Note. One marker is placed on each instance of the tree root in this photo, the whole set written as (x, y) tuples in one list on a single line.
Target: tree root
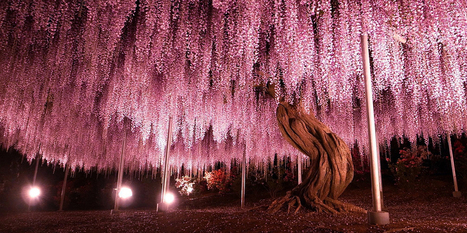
[(289, 199), (344, 207), (328, 205)]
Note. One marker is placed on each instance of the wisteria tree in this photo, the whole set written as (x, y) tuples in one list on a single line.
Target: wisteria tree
[(73, 70)]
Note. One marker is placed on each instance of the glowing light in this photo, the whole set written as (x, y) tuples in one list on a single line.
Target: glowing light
[(34, 192), (169, 198), (125, 193)]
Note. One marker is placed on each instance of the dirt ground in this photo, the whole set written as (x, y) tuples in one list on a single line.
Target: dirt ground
[(422, 208)]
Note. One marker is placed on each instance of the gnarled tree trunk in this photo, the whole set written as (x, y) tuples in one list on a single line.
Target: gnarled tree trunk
[(331, 169)]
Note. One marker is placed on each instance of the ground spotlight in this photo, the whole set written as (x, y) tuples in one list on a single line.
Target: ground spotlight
[(169, 198), (125, 193), (167, 201), (34, 192)]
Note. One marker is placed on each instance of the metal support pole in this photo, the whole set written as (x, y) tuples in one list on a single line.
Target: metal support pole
[(456, 192), (165, 180), (377, 216), (38, 157), (299, 164), (243, 178), (62, 195), (379, 176), (120, 172)]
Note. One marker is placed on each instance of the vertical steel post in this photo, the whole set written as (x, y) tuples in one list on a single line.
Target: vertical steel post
[(38, 157), (62, 194), (243, 178), (377, 216), (456, 192), (120, 171), (165, 180)]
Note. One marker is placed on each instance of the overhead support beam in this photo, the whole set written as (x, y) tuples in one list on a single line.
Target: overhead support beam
[(376, 216)]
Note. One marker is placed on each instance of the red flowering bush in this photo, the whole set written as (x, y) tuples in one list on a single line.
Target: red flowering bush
[(218, 180), (460, 160), (289, 174), (279, 178), (360, 170), (409, 166)]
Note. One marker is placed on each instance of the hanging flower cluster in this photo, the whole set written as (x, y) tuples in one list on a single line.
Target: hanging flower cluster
[(79, 77)]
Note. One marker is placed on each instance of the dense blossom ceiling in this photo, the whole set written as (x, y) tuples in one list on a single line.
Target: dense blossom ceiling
[(80, 76)]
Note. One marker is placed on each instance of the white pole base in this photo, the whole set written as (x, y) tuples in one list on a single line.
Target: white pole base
[(162, 207), (378, 218), (112, 212), (456, 194)]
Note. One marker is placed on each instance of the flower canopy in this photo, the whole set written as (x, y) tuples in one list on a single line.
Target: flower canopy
[(80, 76)]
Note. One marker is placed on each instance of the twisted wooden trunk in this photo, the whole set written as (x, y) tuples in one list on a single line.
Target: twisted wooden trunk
[(331, 169)]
